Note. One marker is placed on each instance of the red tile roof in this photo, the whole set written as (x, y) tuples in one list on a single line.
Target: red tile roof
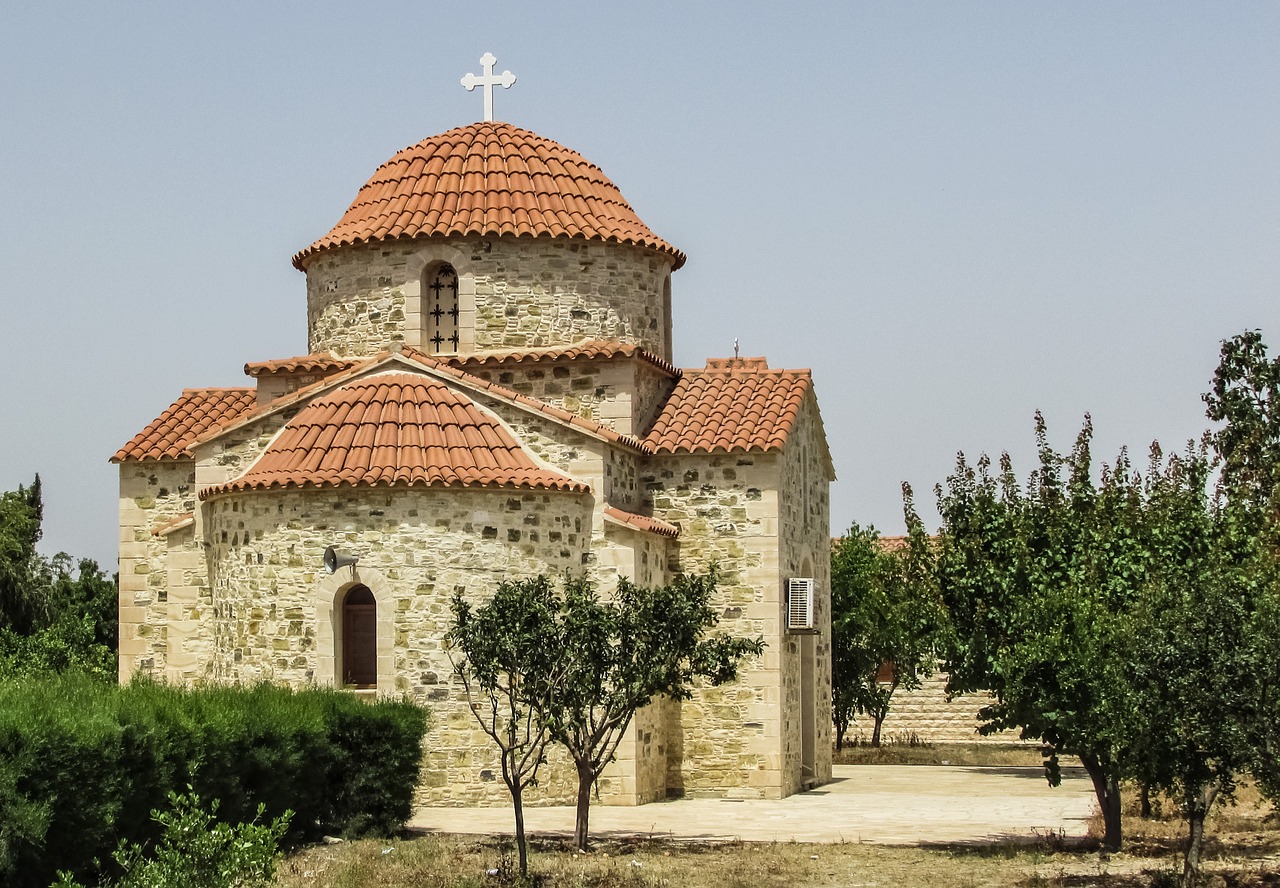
[(591, 349), (395, 429), (196, 413), (731, 405), (322, 363), (641, 522), (489, 179)]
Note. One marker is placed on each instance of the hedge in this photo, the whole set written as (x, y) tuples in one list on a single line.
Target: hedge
[(82, 764)]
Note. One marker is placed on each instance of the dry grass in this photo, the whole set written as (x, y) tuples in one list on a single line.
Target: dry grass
[(436, 862), (1243, 851)]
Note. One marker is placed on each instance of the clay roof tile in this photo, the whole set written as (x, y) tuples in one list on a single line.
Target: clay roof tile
[(502, 180), (394, 428), (733, 404), (195, 413)]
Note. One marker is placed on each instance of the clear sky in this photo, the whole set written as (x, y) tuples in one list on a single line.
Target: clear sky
[(955, 213)]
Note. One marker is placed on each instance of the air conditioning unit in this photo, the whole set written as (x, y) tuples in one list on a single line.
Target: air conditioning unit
[(800, 603)]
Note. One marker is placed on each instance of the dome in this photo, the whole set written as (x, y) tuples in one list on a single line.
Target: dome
[(489, 179)]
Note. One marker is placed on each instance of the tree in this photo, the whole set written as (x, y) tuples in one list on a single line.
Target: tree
[(54, 615), (885, 610), (25, 584), (1202, 645), (1245, 397), (1035, 580), (627, 650), (512, 666)]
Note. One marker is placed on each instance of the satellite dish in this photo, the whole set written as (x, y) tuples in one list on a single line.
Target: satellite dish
[(333, 559)]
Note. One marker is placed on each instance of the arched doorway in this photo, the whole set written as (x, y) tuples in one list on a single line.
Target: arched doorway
[(359, 638)]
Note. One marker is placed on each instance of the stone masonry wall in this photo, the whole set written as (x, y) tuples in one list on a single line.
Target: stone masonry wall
[(804, 550), (623, 394), (514, 292), (725, 741), (926, 714), (274, 605), (162, 578)]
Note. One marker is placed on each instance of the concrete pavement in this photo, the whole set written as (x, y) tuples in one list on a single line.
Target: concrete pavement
[(884, 804)]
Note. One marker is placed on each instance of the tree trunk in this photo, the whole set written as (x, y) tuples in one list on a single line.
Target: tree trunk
[(521, 847), (1144, 799), (1195, 839), (586, 780), (875, 731), (1107, 790), (841, 727), (1196, 813)]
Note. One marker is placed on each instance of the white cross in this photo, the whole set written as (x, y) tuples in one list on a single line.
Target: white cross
[(488, 80)]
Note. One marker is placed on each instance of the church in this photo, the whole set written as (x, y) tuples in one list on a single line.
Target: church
[(488, 392)]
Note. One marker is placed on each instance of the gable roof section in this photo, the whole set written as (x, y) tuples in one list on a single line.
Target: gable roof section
[(733, 404), (587, 350), (197, 412), (489, 178), (411, 358), (394, 428)]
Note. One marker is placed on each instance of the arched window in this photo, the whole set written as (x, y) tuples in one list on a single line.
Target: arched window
[(440, 309), (359, 639)]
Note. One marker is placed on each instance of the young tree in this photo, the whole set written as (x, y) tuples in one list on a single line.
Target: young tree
[(884, 610), (1034, 581), (627, 650), (512, 667)]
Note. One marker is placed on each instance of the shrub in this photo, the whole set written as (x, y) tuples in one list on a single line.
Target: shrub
[(196, 849), (82, 765)]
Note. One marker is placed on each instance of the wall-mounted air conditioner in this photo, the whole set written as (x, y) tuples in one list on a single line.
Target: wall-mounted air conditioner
[(800, 603)]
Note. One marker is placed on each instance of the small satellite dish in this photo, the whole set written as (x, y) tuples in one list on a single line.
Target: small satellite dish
[(333, 559)]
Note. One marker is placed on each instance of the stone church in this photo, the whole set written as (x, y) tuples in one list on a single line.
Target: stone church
[(488, 392)]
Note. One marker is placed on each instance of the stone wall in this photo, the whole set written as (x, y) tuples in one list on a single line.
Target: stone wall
[(725, 741), (925, 714), (274, 605), (163, 582), (513, 292), (804, 551), (624, 394)]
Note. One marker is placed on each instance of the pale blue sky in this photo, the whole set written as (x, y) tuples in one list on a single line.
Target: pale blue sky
[(955, 213)]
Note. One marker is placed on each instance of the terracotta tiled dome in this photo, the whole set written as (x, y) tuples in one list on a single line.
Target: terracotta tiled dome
[(489, 179)]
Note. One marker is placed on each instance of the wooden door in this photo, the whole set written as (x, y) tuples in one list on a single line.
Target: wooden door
[(360, 639)]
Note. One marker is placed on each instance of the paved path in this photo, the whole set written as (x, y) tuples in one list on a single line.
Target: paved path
[(885, 804)]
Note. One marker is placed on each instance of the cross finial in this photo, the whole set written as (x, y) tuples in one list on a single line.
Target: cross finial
[(488, 80)]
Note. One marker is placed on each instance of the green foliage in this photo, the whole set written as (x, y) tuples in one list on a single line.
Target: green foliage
[(1245, 398), (573, 667), (885, 609), (1036, 581), (25, 586), (628, 649), (196, 848), (511, 668), (53, 618), (82, 763)]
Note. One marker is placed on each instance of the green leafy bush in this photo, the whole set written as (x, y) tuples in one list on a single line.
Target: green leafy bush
[(195, 848), (83, 764)]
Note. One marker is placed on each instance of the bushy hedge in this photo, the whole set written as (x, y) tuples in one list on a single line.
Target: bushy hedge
[(82, 764)]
